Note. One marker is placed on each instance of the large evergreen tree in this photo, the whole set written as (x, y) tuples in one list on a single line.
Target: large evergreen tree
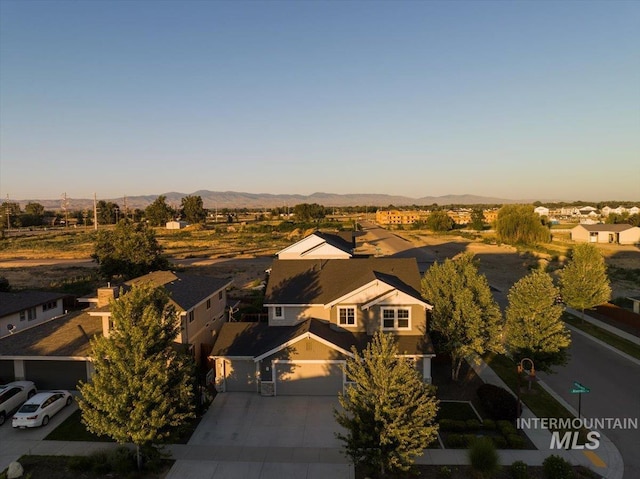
[(584, 282), (519, 224), (465, 315), (534, 328), (142, 386), (129, 250), (389, 412)]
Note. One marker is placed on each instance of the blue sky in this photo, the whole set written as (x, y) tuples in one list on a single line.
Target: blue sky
[(518, 100)]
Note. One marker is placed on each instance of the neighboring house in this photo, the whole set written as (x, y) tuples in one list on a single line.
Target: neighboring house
[(317, 311), (201, 303), (460, 216), (320, 245), (395, 217), (541, 211), (54, 354), (606, 233), (24, 309)]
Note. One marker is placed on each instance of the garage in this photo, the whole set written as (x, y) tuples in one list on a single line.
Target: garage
[(56, 374), (6, 371), (238, 375), (308, 378)]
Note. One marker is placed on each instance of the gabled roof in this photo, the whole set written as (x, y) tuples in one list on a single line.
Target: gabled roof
[(255, 339), (323, 281), (320, 239), (67, 336), (13, 302), (617, 228), (186, 290)]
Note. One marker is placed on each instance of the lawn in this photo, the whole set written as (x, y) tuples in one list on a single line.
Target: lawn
[(611, 339)]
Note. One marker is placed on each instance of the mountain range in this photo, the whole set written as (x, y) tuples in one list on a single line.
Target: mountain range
[(233, 199)]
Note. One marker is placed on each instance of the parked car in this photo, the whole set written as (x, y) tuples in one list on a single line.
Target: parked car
[(12, 395), (40, 408)]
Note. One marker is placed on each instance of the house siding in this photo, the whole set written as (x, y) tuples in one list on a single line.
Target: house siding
[(293, 315), (38, 315)]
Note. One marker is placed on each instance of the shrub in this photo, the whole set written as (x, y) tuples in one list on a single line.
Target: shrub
[(457, 441), (452, 425), (515, 441), (499, 441), (484, 457), (444, 472), (473, 424), (519, 470), (488, 424), (556, 467), (498, 402), (506, 428)]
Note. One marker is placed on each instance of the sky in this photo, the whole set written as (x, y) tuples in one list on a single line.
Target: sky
[(515, 100)]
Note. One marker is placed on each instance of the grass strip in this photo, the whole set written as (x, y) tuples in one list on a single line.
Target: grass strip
[(611, 339)]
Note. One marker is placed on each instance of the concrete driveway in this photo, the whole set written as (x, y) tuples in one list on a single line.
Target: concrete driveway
[(250, 436)]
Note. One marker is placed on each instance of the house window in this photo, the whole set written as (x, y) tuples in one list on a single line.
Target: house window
[(347, 316), (277, 312), (220, 295), (396, 318), (190, 315), (209, 303), (23, 315), (31, 314)]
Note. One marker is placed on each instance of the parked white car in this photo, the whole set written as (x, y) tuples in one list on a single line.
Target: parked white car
[(40, 408), (12, 395)]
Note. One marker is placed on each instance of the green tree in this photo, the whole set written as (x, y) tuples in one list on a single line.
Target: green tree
[(108, 212), (129, 250), (477, 219), (534, 328), (519, 224), (159, 212), (5, 286), (584, 283), (192, 209), (389, 412), (465, 315), (306, 212), (439, 221), (142, 386)]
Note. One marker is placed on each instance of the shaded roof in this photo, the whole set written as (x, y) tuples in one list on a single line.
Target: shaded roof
[(13, 302), (186, 290), (607, 227), (322, 281), (64, 336), (339, 241), (255, 339)]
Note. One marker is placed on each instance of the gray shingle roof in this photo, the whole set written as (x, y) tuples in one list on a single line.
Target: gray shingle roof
[(12, 302), (255, 339), (322, 281), (186, 290), (65, 336)]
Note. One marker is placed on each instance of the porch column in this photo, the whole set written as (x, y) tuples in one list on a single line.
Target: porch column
[(426, 369)]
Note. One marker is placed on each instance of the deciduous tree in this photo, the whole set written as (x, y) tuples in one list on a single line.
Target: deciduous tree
[(306, 212), (389, 412), (439, 221), (142, 386), (477, 219), (129, 250), (465, 315), (534, 328), (192, 209), (584, 282), (159, 212), (519, 224)]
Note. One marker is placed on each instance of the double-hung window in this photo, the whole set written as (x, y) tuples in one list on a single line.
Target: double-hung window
[(396, 318), (278, 313), (347, 316)]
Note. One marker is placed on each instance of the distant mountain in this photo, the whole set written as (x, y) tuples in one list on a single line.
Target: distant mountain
[(234, 199)]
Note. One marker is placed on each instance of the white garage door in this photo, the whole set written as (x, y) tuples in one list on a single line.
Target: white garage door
[(313, 378)]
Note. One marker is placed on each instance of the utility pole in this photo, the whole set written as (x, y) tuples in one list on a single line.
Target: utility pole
[(8, 214), (95, 213), (65, 208)]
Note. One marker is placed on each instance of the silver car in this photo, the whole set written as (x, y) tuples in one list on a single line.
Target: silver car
[(12, 395)]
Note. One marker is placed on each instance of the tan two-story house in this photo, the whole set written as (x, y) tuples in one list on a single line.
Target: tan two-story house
[(318, 310)]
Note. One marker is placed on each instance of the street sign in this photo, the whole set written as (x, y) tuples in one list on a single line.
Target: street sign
[(579, 388)]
